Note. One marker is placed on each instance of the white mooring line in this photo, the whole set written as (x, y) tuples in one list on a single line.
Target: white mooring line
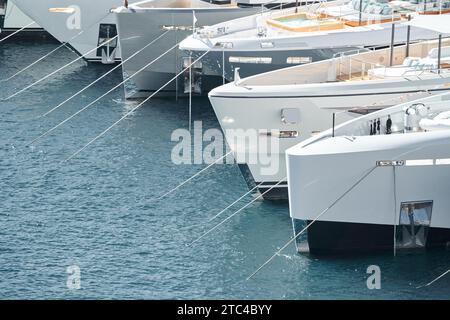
[(99, 98), (57, 70), (133, 110), (63, 44), (17, 31), (104, 75), (311, 223), (235, 213)]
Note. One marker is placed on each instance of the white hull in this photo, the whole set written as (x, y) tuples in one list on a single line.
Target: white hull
[(373, 199), (310, 46), (338, 183), (248, 104), (213, 62), (315, 114), (65, 27)]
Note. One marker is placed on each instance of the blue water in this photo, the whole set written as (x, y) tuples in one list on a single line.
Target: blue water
[(98, 210)]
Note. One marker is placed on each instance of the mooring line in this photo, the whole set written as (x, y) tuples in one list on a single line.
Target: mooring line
[(34, 63), (104, 75), (99, 98), (63, 44), (231, 205), (430, 283), (194, 176), (311, 223), (134, 109), (235, 213), (17, 31), (56, 71)]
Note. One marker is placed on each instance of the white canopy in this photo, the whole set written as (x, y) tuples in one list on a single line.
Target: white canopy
[(437, 23)]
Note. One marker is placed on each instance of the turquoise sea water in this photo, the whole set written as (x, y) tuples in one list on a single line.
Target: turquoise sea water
[(98, 211)]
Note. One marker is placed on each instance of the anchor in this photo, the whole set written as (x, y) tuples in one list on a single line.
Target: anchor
[(108, 56)]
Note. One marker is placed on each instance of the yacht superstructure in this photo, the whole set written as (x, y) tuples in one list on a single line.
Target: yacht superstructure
[(294, 36), (142, 22), (379, 182), (299, 102)]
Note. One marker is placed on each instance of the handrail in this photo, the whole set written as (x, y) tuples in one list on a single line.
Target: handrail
[(311, 7), (266, 10), (375, 16), (321, 3), (434, 107), (352, 52), (416, 71), (350, 55), (425, 70), (270, 13)]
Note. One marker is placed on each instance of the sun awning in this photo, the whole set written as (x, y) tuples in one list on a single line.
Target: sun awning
[(437, 23)]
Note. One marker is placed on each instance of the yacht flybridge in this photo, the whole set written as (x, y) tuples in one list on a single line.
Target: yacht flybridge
[(143, 22), (298, 102), (304, 34), (379, 182)]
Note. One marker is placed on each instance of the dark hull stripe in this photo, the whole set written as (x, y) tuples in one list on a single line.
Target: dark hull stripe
[(88, 59), (150, 91), (271, 184), (25, 30), (274, 194), (26, 34), (325, 237), (278, 193)]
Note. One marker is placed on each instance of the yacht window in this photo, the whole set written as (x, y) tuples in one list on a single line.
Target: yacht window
[(364, 111), (219, 2), (176, 28), (281, 134), (442, 162), (425, 162), (224, 45), (255, 60), (413, 163), (298, 60), (266, 45)]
